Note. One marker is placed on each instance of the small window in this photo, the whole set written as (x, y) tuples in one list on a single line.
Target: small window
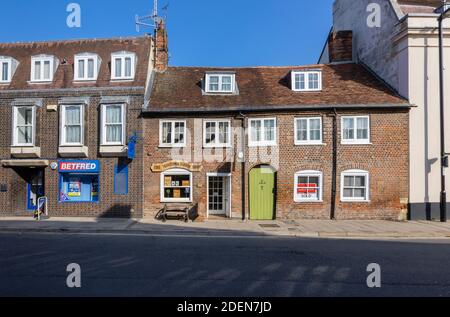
[(5, 70), (176, 186), (86, 67), (355, 130), (123, 65), (42, 69), (121, 179), (216, 133), (355, 186), (263, 132), (172, 133), (72, 121), (308, 131), (220, 83), (113, 124), (308, 186), (24, 126), (306, 80)]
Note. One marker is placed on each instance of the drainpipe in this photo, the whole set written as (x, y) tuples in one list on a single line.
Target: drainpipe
[(243, 165), (334, 168)]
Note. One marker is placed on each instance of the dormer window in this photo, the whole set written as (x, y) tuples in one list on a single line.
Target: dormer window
[(5, 70), (123, 66), (306, 80), (220, 83), (42, 68), (86, 66)]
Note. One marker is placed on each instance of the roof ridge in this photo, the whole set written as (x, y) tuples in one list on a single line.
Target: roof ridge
[(77, 40)]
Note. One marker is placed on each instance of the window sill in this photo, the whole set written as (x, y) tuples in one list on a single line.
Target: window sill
[(355, 201), (40, 82), (26, 151), (118, 80), (356, 143), (163, 146), (113, 150), (73, 151), (308, 201), (263, 145), (176, 201), (224, 146), (84, 81), (310, 144)]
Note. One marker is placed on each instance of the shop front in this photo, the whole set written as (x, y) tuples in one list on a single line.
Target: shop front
[(79, 181)]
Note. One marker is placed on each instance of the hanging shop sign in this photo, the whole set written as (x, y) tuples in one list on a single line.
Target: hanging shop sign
[(161, 167), (79, 166)]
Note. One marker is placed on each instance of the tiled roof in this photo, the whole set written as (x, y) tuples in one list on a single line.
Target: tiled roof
[(419, 6), (65, 50), (343, 84)]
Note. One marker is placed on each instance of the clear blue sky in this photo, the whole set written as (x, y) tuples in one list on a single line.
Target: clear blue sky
[(201, 32)]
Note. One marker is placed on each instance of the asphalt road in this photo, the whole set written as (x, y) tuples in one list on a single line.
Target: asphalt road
[(114, 265)]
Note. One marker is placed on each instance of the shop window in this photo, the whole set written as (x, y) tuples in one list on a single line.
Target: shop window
[(176, 186), (79, 181), (121, 179)]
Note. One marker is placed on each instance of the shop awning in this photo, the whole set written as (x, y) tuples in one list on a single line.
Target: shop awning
[(25, 163)]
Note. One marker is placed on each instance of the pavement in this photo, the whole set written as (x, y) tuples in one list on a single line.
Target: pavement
[(232, 227)]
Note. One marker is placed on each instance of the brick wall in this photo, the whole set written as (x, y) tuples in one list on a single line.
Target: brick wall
[(13, 202), (386, 159)]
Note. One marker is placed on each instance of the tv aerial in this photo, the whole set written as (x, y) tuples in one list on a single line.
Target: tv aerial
[(151, 20)]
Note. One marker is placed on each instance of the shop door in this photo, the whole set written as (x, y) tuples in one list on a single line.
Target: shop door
[(218, 195), (262, 193), (35, 189)]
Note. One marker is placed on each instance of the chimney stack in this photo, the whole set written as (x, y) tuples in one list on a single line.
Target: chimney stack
[(340, 46), (161, 47)]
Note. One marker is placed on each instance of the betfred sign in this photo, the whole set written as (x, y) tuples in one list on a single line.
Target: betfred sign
[(79, 166)]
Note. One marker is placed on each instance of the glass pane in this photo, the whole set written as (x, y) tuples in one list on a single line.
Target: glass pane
[(360, 181), (37, 70), (24, 135), (179, 132), (255, 132), (73, 115), (118, 67), (349, 181), (177, 186), (81, 68), (24, 116), (362, 125), (348, 193), (315, 131), (47, 70), (73, 134), (314, 180), (300, 81), (210, 132), (226, 83), (223, 132), (5, 76), (114, 133), (128, 67), (302, 130), (167, 132), (313, 81), (349, 132), (113, 114), (91, 68), (269, 130), (213, 83), (359, 193)]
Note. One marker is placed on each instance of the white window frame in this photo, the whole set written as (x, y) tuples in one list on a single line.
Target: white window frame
[(162, 186), (216, 143), (367, 185), (263, 142), (355, 140), (172, 143), (122, 57), (306, 73), (86, 58), (63, 141), (310, 173), (42, 60), (9, 62), (103, 129), (220, 83), (33, 130), (308, 131)]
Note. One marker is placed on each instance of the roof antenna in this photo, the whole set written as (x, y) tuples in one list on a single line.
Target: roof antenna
[(144, 21)]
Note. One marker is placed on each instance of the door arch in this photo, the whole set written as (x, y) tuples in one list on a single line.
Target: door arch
[(262, 193)]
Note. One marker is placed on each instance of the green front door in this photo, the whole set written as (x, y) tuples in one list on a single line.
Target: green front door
[(262, 193)]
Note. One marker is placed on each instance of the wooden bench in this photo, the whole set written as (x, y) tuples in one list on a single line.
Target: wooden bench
[(173, 210)]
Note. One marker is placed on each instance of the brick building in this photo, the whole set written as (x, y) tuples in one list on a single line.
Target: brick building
[(317, 141), (69, 119)]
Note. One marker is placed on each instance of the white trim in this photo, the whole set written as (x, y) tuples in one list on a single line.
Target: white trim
[(122, 56), (86, 57), (313, 174), (172, 143), (216, 144), (62, 141), (33, 129), (355, 140), (225, 175), (306, 74), (175, 172), (42, 60), (103, 126), (367, 185), (263, 142), (9, 63), (308, 126), (220, 83)]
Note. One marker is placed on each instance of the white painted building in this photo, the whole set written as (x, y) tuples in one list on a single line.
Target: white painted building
[(402, 49)]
